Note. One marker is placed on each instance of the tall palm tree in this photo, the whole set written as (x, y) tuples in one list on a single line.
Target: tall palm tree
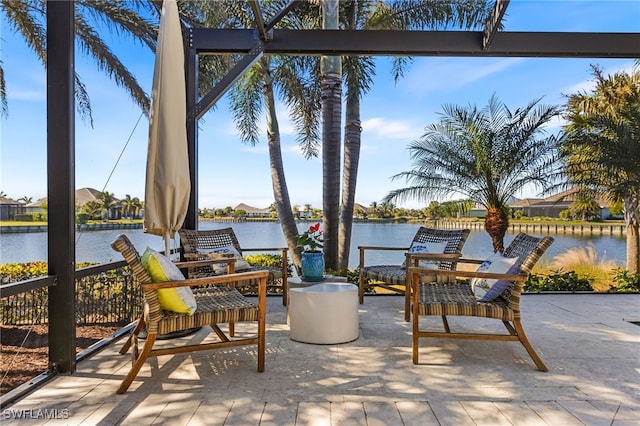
[(255, 93), (124, 18), (358, 73), (331, 83), (487, 155), (602, 147)]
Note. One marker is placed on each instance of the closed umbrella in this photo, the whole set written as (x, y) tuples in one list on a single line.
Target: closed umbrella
[(168, 184)]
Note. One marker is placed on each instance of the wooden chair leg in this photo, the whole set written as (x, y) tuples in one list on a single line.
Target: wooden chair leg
[(525, 342), (445, 323), (407, 302), (416, 328), (285, 288), (134, 333), (137, 363), (361, 287)]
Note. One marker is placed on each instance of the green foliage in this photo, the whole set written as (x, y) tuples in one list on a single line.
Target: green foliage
[(265, 259), (353, 275), (82, 218), (626, 281), (12, 272), (557, 281), (107, 297)]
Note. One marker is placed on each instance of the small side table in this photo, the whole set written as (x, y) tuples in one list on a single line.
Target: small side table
[(298, 282), (324, 313)]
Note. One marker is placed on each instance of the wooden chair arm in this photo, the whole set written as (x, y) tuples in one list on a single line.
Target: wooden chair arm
[(363, 248), (214, 279), (280, 249), (438, 257), (467, 274), (212, 258)]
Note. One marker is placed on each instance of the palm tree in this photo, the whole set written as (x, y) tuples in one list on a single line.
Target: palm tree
[(585, 204), (485, 155), (602, 147), (92, 208), (255, 93), (331, 84), (28, 18), (127, 206), (358, 74), (136, 205), (106, 199)]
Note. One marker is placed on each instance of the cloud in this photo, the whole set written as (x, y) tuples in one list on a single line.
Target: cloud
[(587, 86), (436, 74), (390, 129)]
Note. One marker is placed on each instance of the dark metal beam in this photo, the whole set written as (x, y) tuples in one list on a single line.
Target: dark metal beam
[(281, 14), (61, 184), (227, 81), (191, 71), (421, 43), (257, 18), (493, 23)]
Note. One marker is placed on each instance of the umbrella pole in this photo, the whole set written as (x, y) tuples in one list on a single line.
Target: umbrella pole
[(167, 250)]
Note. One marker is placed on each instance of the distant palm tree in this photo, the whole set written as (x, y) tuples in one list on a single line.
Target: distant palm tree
[(127, 206), (106, 200), (26, 199), (585, 204), (486, 155), (136, 205), (92, 208), (123, 18), (602, 147)]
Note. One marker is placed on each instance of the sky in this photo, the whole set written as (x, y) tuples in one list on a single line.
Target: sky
[(111, 156)]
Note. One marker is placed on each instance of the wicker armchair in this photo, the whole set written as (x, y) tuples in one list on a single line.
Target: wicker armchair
[(394, 277), (446, 299), (195, 242), (217, 302)]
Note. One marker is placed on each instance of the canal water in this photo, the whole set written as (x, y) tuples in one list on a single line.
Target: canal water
[(94, 246)]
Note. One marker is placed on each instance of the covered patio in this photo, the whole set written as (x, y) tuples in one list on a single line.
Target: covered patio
[(586, 340)]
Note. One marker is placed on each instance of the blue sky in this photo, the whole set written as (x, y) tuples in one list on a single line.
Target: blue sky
[(230, 172)]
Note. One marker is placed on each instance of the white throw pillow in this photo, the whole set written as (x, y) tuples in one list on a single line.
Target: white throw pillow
[(487, 289), (161, 269), (433, 248), (221, 268)]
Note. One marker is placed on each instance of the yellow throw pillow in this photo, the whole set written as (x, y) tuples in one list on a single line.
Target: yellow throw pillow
[(161, 269)]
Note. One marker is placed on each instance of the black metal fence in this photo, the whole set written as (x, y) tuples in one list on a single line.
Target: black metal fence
[(107, 296)]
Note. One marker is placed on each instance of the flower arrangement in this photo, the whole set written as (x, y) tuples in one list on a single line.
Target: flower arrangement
[(311, 240)]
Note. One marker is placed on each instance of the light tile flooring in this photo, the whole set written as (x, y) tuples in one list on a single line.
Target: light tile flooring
[(592, 352)]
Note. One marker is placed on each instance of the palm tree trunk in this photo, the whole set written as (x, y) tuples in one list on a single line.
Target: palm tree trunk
[(330, 69), (496, 224), (632, 219), (352, 142), (278, 180)]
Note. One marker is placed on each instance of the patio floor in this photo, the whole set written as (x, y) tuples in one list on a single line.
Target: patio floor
[(592, 351)]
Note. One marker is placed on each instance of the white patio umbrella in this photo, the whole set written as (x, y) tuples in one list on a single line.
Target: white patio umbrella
[(168, 185)]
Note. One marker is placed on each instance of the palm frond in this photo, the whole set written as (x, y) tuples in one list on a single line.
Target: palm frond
[(94, 46)]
